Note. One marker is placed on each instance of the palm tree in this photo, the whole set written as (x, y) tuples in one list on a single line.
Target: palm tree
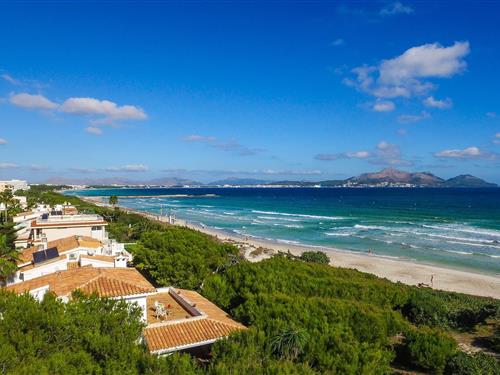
[(8, 257), (113, 200), (7, 199), (289, 343)]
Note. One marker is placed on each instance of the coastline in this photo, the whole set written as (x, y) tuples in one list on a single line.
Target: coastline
[(396, 270)]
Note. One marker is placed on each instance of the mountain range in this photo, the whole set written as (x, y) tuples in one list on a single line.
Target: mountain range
[(385, 177)]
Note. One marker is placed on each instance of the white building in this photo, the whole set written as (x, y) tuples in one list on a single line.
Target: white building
[(68, 253), (53, 227), (176, 319), (13, 185)]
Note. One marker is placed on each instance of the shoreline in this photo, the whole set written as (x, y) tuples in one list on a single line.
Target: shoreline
[(396, 270)]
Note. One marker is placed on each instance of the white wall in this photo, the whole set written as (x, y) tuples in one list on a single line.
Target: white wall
[(142, 303), (96, 263), (58, 233), (45, 269)]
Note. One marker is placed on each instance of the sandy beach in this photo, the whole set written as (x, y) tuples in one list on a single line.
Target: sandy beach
[(410, 273)]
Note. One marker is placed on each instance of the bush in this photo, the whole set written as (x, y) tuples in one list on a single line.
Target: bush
[(181, 257), (429, 348), (315, 257), (476, 364)]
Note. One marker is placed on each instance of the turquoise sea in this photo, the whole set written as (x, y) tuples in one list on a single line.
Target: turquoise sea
[(458, 228)]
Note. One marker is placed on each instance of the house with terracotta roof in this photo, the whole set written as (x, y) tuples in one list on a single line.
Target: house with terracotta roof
[(191, 322), (120, 283), (177, 319), (68, 253), (53, 227)]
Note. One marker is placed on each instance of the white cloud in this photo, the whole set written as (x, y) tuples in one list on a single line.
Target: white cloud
[(198, 138), (396, 8), (3, 141), (384, 106), (10, 79), (388, 154), (93, 130), (436, 103), (128, 168), (496, 139), (491, 114), (405, 119), (407, 75), (344, 155), (472, 152), (385, 153), (8, 166), (109, 110), (83, 170), (338, 42), (29, 101)]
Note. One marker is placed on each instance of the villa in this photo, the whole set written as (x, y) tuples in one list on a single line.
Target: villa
[(68, 253), (177, 320), (50, 227)]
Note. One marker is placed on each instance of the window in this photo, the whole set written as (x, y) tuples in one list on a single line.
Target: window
[(96, 228)]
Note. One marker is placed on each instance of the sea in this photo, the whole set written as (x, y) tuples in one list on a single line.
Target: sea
[(455, 228)]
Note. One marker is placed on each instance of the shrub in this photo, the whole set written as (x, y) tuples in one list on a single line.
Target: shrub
[(429, 348), (315, 257), (475, 364)]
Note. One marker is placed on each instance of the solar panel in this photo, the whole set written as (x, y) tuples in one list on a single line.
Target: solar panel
[(39, 256), (44, 255), (52, 253)]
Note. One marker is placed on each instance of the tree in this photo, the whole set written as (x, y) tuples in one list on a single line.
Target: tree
[(113, 200), (8, 254), (289, 343), (7, 200), (315, 257)]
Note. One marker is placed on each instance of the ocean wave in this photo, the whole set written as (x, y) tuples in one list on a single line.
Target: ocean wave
[(290, 242), (372, 227), (458, 252), (338, 234), (473, 244), (299, 215), (278, 218), (485, 232)]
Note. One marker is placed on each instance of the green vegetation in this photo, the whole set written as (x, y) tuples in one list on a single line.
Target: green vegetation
[(113, 200), (315, 257), (88, 335), (429, 348), (304, 317), (181, 257)]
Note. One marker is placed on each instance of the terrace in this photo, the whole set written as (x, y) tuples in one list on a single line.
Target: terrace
[(175, 307)]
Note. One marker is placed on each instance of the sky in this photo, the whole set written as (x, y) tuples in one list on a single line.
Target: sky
[(269, 90)]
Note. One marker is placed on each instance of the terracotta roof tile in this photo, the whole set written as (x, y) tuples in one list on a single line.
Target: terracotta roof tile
[(167, 337), (109, 282), (63, 245), (213, 324)]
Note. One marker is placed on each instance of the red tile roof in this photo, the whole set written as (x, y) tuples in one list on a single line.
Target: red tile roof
[(106, 282), (174, 336)]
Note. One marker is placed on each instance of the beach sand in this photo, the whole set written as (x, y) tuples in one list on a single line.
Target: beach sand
[(410, 273)]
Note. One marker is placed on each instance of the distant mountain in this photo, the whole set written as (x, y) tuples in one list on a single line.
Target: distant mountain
[(172, 181), (238, 182), (164, 181), (392, 175), (466, 180), (386, 177)]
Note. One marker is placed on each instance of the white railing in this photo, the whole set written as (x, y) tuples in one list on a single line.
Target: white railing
[(69, 218)]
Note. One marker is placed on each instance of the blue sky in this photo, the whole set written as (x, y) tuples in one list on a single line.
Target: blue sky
[(266, 90)]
